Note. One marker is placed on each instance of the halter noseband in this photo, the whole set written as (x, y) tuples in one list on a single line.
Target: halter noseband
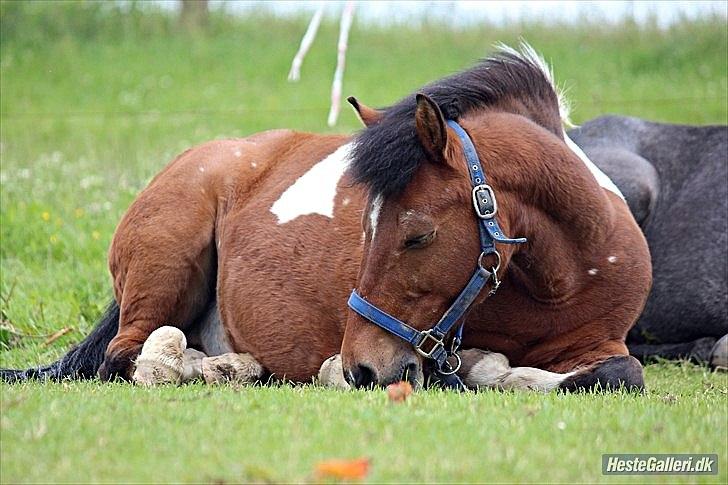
[(430, 344)]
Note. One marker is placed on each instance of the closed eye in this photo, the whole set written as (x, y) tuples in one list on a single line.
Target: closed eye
[(420, 241)]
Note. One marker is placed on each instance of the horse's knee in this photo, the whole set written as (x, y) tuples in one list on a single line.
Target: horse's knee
[(614, 373)]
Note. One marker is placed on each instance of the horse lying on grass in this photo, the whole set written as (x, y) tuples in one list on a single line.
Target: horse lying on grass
[(253, 246)]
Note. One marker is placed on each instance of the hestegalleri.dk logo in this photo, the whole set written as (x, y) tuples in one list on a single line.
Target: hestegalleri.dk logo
[(659, 464)]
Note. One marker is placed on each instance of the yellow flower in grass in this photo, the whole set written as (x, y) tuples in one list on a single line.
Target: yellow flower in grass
[(96, 235), (54, 238), (45, 216), (79, 212)]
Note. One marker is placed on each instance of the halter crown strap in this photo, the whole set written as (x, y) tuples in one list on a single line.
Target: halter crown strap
[(430, 343), (484, 201)]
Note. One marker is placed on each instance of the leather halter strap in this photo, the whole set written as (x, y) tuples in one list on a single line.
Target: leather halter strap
[(431, 343)]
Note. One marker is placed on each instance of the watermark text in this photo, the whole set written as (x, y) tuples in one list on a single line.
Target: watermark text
[(660, 464)]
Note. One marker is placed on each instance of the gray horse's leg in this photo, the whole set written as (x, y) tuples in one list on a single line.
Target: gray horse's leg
[(699, 351)]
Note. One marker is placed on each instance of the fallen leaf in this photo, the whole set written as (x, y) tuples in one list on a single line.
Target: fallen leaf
[(343, 469), (55, 336), (399, 392)]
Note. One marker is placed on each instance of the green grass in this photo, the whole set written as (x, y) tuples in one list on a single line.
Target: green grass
[(93, 105), (85, 432)]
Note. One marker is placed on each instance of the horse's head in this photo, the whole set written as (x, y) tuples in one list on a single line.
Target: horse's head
[(430, 223), (421, 242)]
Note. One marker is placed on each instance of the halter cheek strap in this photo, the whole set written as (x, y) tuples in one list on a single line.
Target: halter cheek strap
[(431, 343)]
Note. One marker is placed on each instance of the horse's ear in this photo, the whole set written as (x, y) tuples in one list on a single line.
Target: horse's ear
[(368, 116), (430, 126)]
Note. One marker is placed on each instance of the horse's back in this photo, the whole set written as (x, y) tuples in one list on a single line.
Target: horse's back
[(674, 178)]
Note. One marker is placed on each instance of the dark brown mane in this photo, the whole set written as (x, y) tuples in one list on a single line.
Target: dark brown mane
[(386, 154)]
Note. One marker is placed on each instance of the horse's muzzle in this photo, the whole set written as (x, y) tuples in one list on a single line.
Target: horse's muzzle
[(364, 375)]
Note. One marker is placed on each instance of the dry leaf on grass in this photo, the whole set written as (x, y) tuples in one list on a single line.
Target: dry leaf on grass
[(399, 392), (356, 469), (56, 336)]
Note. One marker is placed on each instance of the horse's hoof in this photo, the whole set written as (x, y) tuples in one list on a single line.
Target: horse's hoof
[(719, 355), (331, 373), (241, 368), (161, 360)]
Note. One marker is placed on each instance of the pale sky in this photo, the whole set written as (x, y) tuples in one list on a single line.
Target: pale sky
[(461, 12)]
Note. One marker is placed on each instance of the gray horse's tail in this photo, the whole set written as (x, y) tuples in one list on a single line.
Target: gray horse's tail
[(82, 361)]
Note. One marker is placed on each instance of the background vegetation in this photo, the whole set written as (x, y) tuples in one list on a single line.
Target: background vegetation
[(97, 97)]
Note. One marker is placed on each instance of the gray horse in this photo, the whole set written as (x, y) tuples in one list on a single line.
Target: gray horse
[(675, 180)]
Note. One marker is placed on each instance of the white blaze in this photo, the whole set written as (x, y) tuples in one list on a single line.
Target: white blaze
[(374, 214), (601, 177), (314, 192)]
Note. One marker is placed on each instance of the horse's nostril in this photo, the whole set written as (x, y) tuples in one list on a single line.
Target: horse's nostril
[(410, 372), (362, 376)]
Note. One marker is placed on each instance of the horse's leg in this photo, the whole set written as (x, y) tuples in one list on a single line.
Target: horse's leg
[(482, 369), (165, 359), (163, 260), (331, 373), (607, 368), (698, 350), (611, 374)]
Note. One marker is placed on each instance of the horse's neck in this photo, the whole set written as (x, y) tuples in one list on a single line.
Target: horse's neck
[(567, 217)]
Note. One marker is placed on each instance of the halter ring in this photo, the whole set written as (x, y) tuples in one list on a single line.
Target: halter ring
[(484, 254), (452, 369)]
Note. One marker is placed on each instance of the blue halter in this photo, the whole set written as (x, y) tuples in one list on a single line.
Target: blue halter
[(431, 343)]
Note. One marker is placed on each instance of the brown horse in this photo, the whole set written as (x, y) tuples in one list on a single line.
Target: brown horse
[(253, 245)]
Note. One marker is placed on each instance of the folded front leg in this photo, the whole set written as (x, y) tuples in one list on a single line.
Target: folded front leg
[(482, 369), (227, 368)]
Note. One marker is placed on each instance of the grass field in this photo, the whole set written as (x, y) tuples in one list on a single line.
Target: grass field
[(94, 103)]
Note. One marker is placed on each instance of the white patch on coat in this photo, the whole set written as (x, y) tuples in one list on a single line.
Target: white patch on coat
[(253, 164), (612, 259), (374, 214), (201, 169), (314, 192), (593, 272), (238, 153), (601, 177)]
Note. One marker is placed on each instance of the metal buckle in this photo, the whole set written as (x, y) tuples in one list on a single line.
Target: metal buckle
[(484, 198), (427, 335)]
